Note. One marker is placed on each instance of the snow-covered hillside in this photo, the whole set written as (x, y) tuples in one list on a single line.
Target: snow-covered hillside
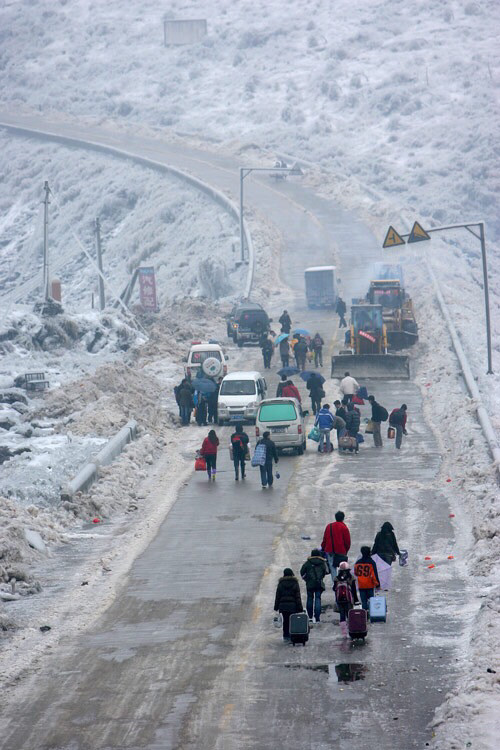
[(402, 95)]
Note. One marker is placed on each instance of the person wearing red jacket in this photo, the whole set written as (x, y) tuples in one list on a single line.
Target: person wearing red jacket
[(291, 391), (209, 452), (336, 543)]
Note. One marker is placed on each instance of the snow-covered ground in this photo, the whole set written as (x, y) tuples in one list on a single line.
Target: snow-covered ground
[(398, 100)]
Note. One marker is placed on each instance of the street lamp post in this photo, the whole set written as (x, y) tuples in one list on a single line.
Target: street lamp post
[(244, 172)]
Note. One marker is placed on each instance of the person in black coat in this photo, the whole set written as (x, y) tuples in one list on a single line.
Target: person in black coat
[(313, 571), (279, 390), (315, 388), (288, 599), (385, 544), (267, 348), (341, 311), (266, 471), (185, 396), (379, 415), (286, 322), (239, 444)]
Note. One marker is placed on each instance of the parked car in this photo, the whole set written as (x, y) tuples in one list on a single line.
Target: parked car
[(284, 419), (207, 355), (239, 397), (250, 322)]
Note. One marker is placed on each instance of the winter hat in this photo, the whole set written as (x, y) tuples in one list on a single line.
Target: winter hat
[(344, 566), (316, 553), (365, 551), (288, 572)]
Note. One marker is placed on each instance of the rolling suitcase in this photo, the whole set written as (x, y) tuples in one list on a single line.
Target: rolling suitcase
[(357, 623), (299, 628), (348, 443), (377, 608)]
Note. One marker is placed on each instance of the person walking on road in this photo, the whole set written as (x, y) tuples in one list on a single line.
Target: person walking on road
[(267, 347), (279, 390), (285, 352), (201, 409), (353, 421), (397, 419), (266, 471), (379, 415), (239, 444), (300, 350), (286, 322), (317, 347), (186, 402), (344, 587), (290, 390), (341, 311), (348, 386), (365, 570), (209, 452), (336, 543), (326, 422), (313, 571), (385, 544), (316, 392), (288, 599)]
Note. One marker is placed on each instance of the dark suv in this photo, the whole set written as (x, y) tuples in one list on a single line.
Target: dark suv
[(248, 323)]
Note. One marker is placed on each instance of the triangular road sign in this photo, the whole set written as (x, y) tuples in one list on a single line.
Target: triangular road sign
[(392, 238), (418, 233)]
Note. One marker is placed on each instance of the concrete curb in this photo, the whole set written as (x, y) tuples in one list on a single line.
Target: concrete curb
[(89, 473), (212, 192)]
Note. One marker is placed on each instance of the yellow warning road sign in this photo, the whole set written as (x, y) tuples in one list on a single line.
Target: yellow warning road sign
[(418, 233), (392, 238)]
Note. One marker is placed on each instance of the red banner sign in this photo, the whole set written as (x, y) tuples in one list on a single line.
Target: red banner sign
[(147, 288), (368, 336)]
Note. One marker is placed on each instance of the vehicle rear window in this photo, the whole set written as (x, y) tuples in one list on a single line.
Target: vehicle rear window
[(277, 413), (198, 357), (237, 388)]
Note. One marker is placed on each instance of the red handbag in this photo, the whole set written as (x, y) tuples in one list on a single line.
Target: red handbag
[(358, 400), (200, 464)]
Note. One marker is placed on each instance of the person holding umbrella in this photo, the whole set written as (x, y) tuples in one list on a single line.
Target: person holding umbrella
[(314, 385), (300, 350)]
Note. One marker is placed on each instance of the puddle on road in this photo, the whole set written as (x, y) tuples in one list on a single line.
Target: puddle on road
[(348, 672)]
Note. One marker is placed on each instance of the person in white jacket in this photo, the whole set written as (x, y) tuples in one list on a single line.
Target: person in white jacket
[(349, 386)]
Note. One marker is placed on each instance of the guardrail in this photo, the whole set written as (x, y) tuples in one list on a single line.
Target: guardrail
[(89, 473), (215, 194)]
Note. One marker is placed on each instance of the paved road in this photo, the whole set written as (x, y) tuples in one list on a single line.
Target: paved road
[(186, 656)]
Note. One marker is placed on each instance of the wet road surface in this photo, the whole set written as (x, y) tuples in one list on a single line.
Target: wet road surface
[(186, 657)]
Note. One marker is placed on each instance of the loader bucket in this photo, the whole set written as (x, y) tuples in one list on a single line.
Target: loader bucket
[(371, 366)]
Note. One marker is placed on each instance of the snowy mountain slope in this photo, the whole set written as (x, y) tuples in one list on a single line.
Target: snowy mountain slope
[(402, 95), (146, 219)]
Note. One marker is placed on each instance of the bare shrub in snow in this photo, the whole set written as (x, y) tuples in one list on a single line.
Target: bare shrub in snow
[(252, 39)]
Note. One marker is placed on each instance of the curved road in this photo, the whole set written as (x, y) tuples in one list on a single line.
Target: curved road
[(186, 656)]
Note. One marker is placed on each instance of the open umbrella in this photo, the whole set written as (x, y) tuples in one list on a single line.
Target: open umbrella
[(204, 385), (281, 337), (384, 572), (306, 374), (302, 331), (287, 371)]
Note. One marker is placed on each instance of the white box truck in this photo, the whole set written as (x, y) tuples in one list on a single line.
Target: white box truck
[(321, 286)]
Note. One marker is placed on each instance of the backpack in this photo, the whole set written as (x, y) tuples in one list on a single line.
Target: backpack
[(317, 342), (384, 414), (343, 593)]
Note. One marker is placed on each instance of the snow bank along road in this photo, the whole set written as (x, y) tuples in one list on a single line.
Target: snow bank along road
[(185, 656)]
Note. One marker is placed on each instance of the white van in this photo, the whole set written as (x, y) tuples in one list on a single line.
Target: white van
[(207, 355), (284, 419), (240, 394)]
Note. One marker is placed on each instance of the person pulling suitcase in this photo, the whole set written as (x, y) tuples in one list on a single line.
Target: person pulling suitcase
[(346, 596), (288, 599)]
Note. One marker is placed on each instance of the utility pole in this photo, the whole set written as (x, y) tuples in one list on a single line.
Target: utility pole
[(46, 270), (102, 298)]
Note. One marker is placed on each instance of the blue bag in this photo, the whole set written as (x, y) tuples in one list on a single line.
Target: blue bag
[(362, 392), (360, 438), (259, 455), (314, 434)]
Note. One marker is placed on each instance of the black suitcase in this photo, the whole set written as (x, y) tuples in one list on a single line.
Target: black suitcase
[(299, 628)]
